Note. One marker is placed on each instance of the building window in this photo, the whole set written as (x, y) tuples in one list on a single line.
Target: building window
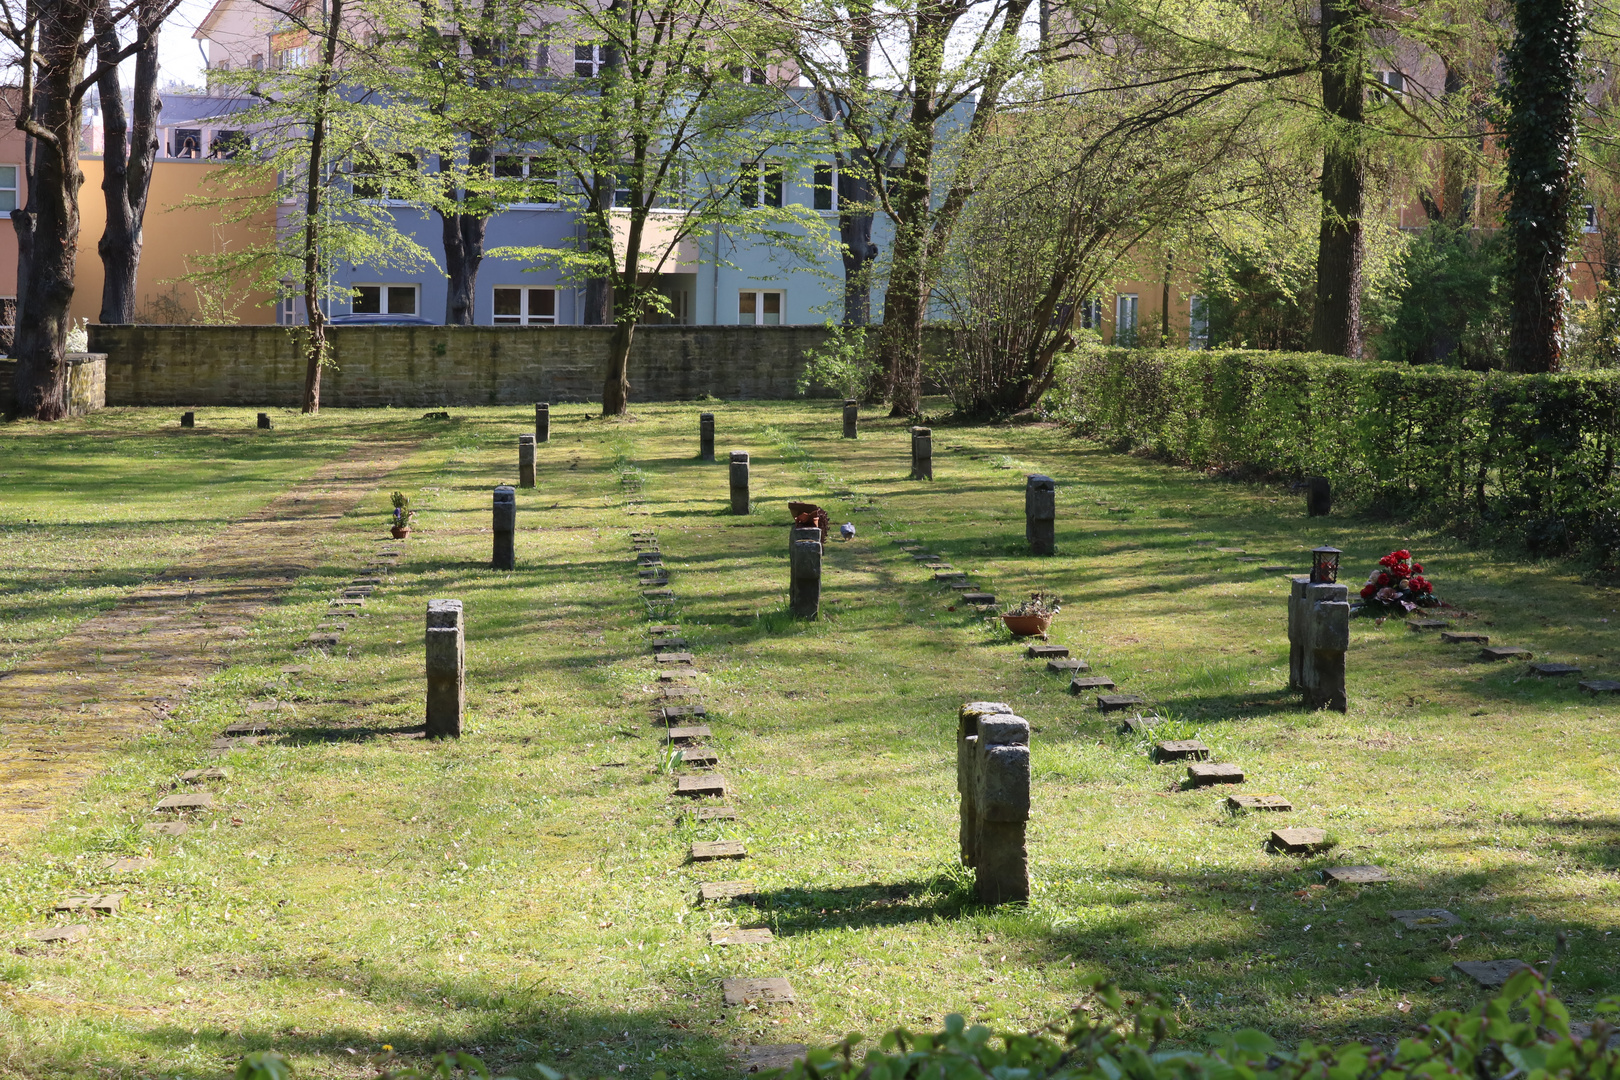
[(530, 307), (287, 311), (258, 61), (226, 143), (1091, 313), (188, 142), (587, 61), (1589, 220), (758, 307), (1125, 319), (824, 188), (8, 187), (538, 172), (372, 174), (759, 185), (384, 300), (1394, 80), (1198, 323), (287, 59)]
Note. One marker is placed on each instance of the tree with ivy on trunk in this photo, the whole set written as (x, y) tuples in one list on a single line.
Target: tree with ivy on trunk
[(1336, 327), (128, 149)]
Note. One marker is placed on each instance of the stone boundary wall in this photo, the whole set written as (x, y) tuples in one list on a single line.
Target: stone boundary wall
[(428, 366), (87, 383)]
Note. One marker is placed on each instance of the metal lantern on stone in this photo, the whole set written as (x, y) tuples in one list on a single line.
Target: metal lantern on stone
[(1325, 565)]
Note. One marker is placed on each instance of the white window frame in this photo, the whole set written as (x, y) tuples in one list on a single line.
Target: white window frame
[(529, 159), (1393, 81), (1127, 312), (830, 170), (525, 317), (287, 311), (383, 299), (14, 188), (1590, 222), (593, 60), (1197, 322), (758, 316)]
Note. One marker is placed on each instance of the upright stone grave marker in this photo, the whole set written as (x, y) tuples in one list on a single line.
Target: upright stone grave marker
[(992, 777), (922, 453), (1040, 514), (739, 481), (804, 590), (526, 461), (446, 669), (706, 436), (505, 527), (852, 413), (264, 421), (188, 419), (1318, 496), (542, 422), (1318, 636)]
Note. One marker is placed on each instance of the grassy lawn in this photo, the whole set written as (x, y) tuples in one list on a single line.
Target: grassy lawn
[(525, 893)]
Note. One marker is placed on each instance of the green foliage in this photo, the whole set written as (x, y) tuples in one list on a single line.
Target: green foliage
[(1451, 304), (1259, 292), (844, 362), (1594, 337), (1529, 458), (263, 1065)]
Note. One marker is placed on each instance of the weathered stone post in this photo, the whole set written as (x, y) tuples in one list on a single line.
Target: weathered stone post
[(446, 669), (706, 436), (739, 481), (505, 526), (852, 415), (922, 453), (542, 422), (1318, 637), (804, 532), (264, 421), (804, 586), (1040, 514), (992, 777), (526, 461), (188, 419), (1318, 496)]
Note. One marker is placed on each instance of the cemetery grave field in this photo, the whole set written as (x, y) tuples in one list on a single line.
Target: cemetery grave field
[(529, 892)]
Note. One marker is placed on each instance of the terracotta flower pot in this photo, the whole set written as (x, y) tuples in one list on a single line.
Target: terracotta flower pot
[(401, 531), (1027, 625)]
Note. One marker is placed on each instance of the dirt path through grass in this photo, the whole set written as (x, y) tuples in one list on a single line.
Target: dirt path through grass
[(120, 673)]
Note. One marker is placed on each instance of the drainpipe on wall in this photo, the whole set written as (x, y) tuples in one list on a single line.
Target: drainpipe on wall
[(716, 277)]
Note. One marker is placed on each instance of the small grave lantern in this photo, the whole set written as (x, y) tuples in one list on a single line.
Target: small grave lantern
[(1325, 565)]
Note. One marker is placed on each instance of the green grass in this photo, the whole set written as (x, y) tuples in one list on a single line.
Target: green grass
[(524, 893)]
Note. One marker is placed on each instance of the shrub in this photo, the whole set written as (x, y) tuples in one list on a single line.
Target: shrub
[(1452, 305)]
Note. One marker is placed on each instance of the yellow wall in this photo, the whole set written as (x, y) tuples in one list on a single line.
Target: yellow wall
[(173, 235)]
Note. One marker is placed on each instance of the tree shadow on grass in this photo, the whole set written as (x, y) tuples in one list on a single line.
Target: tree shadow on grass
[(807, 909)]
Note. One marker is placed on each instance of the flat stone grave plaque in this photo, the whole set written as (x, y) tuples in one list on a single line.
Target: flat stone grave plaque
[(662, 644), (1271, 803), (105, 903), (1459, 637), (709, 850), (1230, 551), (649, 557), (747, 991), (1433, 918), (1297, 841), (1090, 682), (964, 586), (697, 787), (1357, 875), (663, 629), (1601, 686), (669, 692), (715, 813), (1554, 669), (1205, 773), (1116, 702), (1489, 973), (129, 865), (50, 935), (1138, 724), (203, 800), (652, 577), (323, 641), (950, 575), (1046, 652), (739, 936), (366, 581), (1275, 569), (671, 674), (202, 776), (1247, 558), (246, 727), (341, 614), (724, 890), (1505, 652), (688, 734), (675, 712), (347, 602), (700, 758), (1180, 750), (166, 828), (937, 567), (925, 557), (757, 1059), (1426, 624), (296, 669), (657, 594), (359, 590), (979, 597), (1059, 667), (673, 658)]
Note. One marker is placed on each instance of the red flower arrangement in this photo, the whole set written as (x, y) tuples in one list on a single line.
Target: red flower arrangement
[(1398, 584)]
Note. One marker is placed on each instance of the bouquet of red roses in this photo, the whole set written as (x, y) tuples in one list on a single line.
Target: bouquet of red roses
[(1398, 584)]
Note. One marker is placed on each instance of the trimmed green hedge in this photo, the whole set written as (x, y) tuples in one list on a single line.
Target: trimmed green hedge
[(1526, 456)]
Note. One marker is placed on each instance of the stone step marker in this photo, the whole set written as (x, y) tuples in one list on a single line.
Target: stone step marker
[(679, 674), (671, 692), (347, 602), (926, 557), (503, 523), (542, 421), (221, 747), (712, 850), (1206, 773), (679, 712), (1117, 702), (54, 935), (993, 782), (646, 558), (526, 461), (715, 813), (922, 453), (130, 865), (663, 629), (1505, 652), (366, 581), (1137, 724), (1081, 684), (1552, 670), (1426, 624), (1046, 652), (739, 482), (188, 419), (978, 598), (1460, 637), (1247, 558), (657, 594), (1601, 686), (446, 665), (246, 727), (852, 416), (1489, 974), (652, 578), (1179, 750), (699, 758), (203, 776), (724, 890), (945, 576), (770, 991), (760, 935), (1318, 638), (666, 644), (687, 734), (1040, 514), (1356, 875), (963, 586), (804, 579), (166, 828), (1425, 918), (706, 436), (939, 566), (702, 786), (323, 642), (1297, 841), (673, 658), (264, 421), (1067, 667), (200, 801), (1271, 804), (100, 903)]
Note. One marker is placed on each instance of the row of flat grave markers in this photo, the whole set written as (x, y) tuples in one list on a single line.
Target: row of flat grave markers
[(685, 736)]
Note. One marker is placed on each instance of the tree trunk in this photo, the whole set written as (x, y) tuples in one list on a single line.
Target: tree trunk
[(855, 231), (616, 388), (1336, 326), (53, 189), (1543, 75), (905, 307), (127, 157), (463, 254), (314, 187)]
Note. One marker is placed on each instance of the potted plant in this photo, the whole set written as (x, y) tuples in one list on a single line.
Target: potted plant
[(1032, 617), (403, 515)]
